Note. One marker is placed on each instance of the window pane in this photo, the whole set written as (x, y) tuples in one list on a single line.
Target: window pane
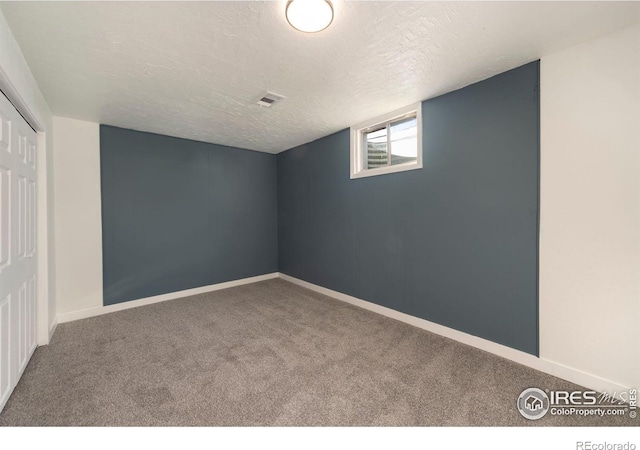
[(376, 148), (404, 141)]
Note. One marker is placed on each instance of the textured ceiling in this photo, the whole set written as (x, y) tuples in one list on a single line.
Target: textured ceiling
[(195, 70)]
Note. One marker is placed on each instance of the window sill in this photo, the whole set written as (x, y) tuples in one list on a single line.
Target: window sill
[(386, 170)]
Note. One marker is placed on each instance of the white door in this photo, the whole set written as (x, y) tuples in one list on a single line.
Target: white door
[(17, 246)]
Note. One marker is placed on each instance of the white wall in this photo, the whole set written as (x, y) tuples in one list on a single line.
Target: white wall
[(17, 71), (18, 84), (590, 208), (78, 228)]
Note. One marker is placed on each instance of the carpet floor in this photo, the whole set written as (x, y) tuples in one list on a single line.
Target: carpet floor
[(269, 353)]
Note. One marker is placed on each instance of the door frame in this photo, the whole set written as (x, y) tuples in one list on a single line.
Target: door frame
[(44, 289)]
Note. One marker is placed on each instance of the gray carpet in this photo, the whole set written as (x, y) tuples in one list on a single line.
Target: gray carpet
[(270, 353)]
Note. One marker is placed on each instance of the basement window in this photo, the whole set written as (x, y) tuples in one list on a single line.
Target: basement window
[(388, 144)]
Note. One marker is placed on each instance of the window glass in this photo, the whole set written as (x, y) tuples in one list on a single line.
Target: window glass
[(404, 141), (376, 148)]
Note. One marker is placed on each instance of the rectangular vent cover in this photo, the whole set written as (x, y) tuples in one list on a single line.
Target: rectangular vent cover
[(269, 99)]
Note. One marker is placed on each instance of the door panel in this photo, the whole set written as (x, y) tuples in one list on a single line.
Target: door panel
[(17, 246), (22, 217), (5, 350), (30, 221), (22, 322), (31, 315), (5, 184)]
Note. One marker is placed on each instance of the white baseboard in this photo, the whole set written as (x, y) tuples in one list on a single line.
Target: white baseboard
[(46, 336), (550, 367), (91, 312), (52, 328)]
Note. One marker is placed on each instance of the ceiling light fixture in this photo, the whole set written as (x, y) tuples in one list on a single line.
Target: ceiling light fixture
[(309, 16)]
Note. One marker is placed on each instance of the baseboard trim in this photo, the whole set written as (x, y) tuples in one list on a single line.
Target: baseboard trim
[(549, 367), (52, 329), (98, 311)]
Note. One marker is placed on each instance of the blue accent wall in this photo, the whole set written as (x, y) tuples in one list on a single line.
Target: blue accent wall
[(456, 242), (179, 214)]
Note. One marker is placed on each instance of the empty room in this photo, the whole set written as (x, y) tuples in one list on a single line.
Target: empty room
[(316, 213)]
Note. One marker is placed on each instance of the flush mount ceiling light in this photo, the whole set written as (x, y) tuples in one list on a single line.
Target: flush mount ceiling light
[(309, 16)]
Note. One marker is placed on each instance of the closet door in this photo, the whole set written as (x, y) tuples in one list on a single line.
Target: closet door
[(17, 246)]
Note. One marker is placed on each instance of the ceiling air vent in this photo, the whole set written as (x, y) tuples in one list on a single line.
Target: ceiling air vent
[(269, 99)]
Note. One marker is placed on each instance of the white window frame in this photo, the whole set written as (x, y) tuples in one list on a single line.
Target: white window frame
[(357, 166)]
